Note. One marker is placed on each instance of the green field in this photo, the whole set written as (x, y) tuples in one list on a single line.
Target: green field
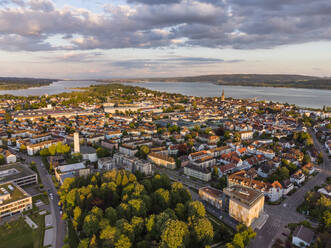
[(19, 235)]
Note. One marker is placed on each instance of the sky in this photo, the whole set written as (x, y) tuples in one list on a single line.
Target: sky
[(85, 39)]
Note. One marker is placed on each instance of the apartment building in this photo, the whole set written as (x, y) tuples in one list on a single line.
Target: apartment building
[(203, 174), (212, 196), (162, 160), (18, 173), (127, 149), (13, 199), (243, 204)]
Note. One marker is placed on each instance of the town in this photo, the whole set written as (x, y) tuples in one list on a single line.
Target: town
[(76, 169)]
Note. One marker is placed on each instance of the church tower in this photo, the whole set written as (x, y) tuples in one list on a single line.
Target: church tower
[(223, 96)]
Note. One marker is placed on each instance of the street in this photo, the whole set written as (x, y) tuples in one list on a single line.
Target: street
[(280, 216), (46, 180)]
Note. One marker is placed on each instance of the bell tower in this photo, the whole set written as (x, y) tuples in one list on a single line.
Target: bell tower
[(223, 96)]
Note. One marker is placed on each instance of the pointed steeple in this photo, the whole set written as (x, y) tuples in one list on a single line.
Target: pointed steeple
[(223, 96)]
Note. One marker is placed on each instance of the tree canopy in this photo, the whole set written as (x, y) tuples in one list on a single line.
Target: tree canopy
[(115, 209)]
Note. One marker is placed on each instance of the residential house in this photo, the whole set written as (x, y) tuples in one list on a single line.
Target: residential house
[(302, 236)]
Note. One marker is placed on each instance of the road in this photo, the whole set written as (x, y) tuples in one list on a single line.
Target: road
[(192, 184), (58, 223), (280, 216), (175, 176)]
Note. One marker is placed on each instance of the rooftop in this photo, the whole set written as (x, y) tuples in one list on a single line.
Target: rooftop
[(10, 192), (212, 191), (87, 150), (304, 234), (13, 171), (71, 167), (242, 194)]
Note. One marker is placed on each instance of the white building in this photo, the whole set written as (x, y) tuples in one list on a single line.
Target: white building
[(89, 153), (129, 150), (302, 236), (105, 163), (203, 174), (246, 135), (76, 143)]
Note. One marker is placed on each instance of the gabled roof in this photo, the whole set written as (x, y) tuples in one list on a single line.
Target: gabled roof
[(304, 234)]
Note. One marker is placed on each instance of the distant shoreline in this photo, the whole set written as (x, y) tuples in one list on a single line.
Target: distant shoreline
[(230, 84), (252, 80)]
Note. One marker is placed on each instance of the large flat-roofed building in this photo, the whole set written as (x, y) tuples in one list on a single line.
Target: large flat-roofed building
[(211, 195), (243, 204), (71, 170), (13, 199), (18, 173), (44, 113), (203, 174)]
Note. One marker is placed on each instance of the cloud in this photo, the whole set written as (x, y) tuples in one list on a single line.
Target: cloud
[(43, 5), (154, 2), (14, 42), (238, 24), (7, 2), (76, 57)]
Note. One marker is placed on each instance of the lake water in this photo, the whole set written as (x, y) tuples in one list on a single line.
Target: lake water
[(52, 89), (301, 97)]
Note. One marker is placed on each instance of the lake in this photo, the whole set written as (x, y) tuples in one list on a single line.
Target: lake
[(302, 97), (52, 89)]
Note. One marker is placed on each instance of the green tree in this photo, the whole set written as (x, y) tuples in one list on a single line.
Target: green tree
[(52, 150), (203, 231), (102, 152), (143, 151), (77, 217), (320, 158), (44, 152), (137, 207), (327, 219), (2, 159), (138, 226), (175, 234), (97, 212), (90, 225), (161, 199), (180, 211), (196, 209), (111, 215), (284, 173), (84, 243), (123, 242), (23, 148), (108, 234)]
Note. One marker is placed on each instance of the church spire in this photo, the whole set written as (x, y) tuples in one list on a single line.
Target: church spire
[(223, 96)]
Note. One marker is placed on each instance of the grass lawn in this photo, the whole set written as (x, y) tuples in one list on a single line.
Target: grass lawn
[(43, 197), (18, 234)]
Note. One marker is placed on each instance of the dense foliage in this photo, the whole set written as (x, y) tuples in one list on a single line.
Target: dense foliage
[(317, 206), (116, 210), (10, 83), (242, 238)]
